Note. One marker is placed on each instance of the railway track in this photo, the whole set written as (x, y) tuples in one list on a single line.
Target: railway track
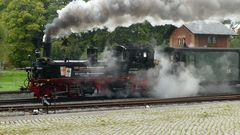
[(14, 92), (11, 95), (18, 101), (59, 100), (119, 103)]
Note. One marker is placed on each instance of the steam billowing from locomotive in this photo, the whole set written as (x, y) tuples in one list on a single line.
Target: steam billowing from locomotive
[(80, 16), (182, 83)]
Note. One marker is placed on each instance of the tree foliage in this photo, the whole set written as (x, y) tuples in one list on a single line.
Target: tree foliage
[(235, 42), (138, 34), (23, 19), (5, 49), (234, 25)]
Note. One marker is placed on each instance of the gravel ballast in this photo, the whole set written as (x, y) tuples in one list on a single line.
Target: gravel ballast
[(201, 118)]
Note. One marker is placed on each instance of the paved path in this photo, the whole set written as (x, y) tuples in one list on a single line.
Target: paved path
[(206, 118)]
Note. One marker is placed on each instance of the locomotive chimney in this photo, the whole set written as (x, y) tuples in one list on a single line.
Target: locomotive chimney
[(47, 47)]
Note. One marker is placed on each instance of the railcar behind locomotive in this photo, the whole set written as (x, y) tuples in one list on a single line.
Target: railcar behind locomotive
[(92, 76), (213, 66)]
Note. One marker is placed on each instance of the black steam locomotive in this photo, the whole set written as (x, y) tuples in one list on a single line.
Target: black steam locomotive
[(48, 77)]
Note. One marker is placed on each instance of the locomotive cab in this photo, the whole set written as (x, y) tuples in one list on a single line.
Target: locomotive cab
[(135, 57)]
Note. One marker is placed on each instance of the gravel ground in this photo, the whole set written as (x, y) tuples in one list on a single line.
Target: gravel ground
[(202, 118), (16, 96)]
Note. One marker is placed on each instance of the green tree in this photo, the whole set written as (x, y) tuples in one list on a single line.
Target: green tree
[(235, 41), (142, 33), (68, 47), (139, 34), (75, 45), (5, 48), (3, 4), (51, 7), (24, 19)]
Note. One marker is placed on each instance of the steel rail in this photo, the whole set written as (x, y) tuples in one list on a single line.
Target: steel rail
[(18, 101), (14, 92), (121, 103)]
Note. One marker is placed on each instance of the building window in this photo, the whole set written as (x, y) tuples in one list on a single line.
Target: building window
[(212, 40), (181, 42)]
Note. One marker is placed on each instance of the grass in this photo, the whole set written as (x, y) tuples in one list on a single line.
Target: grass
[(12, 80)]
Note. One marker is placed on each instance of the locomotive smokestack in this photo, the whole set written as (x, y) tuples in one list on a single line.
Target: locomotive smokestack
[(47, 46)]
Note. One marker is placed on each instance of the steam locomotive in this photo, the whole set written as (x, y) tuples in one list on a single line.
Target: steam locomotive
[(71, 78)]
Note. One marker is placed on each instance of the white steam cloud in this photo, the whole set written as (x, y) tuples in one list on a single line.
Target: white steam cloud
[(80, 16), (173, 80), (183, 79), (109, 58)]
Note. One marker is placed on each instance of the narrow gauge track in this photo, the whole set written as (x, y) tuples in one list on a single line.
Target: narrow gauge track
[(14, 92), (35, 100), (19, 101), (120, 103), (10, 96)]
